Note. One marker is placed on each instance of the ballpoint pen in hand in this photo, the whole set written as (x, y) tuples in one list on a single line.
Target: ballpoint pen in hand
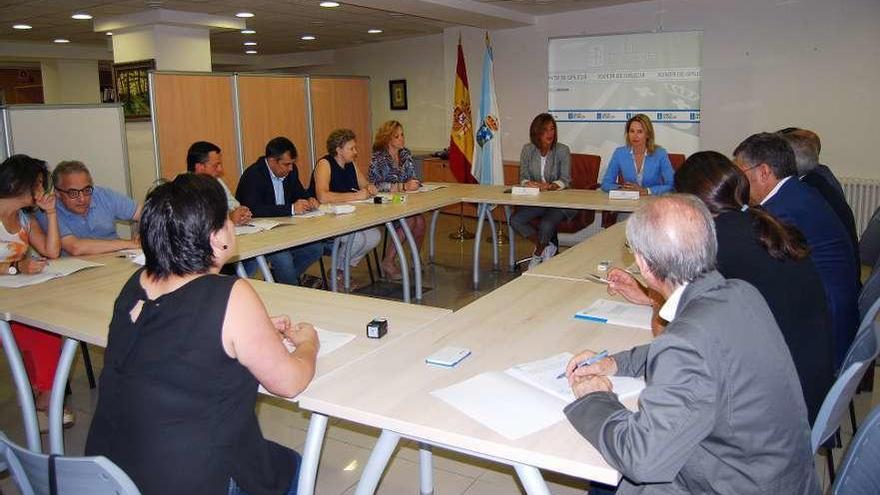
[(586, 362)]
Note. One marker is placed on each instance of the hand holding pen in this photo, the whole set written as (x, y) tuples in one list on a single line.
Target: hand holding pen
[(590, 363)]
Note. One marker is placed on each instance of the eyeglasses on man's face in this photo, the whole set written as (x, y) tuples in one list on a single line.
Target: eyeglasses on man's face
[(75, 193)]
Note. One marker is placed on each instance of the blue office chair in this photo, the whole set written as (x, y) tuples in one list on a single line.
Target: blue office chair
[(864, 347), (870, 294), (41, 474), (859, 473), (835, 406), (869, 243)]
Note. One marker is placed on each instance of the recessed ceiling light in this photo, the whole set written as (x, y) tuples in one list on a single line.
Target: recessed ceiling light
[(250, 43), (109, 33), (21, 26), (244, 15), (61, 40), (374, 31), (307, 37), (329, 5), (251, 52), (248, 31), (81, 17)]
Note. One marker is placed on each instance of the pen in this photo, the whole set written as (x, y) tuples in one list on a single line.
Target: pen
[(586, 362)]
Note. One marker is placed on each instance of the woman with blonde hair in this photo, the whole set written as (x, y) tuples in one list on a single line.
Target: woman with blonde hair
[(392, 170), (641, 165)]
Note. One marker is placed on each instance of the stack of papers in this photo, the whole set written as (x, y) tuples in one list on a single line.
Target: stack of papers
[(618, 313), (340, 209), (54, 269), (256, 225), (523, 399)]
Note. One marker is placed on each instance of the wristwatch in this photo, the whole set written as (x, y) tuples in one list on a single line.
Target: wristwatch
[(13, 268)]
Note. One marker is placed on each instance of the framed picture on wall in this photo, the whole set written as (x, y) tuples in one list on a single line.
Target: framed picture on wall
[(132, 88), (397, 90)]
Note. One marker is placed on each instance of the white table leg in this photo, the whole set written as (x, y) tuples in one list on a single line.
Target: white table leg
[(531, 479), (426, 470), (491, 218), (22, 388), (431, 233), (240, 271), (264, 269), (416, 256), (56, 401), (376, 464), (404, 266), (511, 235), (334, 262), (311, 454), (481, 212)]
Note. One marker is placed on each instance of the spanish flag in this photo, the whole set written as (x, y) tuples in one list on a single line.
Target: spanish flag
[(461, 140)]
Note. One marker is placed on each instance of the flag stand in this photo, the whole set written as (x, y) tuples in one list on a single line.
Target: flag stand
[(462, 234), (501, 235)]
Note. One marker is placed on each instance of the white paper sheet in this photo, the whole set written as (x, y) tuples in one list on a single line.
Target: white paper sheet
[(503, 404), (618, 313), (310, 214), (428, 188), (329, 340), (60, 267), (256, 225), (542, 375)]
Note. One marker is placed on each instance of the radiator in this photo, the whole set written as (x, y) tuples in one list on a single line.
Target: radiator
[(863, 196)]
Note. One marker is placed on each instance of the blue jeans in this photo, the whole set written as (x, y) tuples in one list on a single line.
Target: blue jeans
[(234, 489), (289, 264)]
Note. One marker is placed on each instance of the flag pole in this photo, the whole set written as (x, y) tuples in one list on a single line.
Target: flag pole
[(462, 234)]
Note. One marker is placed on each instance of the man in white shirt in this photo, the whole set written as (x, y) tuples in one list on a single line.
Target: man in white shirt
[(206, 158)]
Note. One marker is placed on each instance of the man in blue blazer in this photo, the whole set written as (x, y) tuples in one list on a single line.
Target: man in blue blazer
[(769, 163), (270, 187)]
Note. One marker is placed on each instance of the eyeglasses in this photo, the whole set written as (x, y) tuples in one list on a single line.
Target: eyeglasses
[(74, 193)]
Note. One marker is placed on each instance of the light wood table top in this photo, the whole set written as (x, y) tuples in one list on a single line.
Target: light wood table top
[(80, 306), (581, 199), (299, 231), (583, 258), (528, 319)]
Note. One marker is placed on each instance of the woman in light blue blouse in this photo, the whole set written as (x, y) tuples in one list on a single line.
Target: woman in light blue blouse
[(392, 170), (641, 164)]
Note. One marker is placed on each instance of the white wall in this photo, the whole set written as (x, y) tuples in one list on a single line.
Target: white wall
[(766, 65), (420, 62), (70, 81)]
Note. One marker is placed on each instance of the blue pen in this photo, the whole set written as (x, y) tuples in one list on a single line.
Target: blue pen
[(586, 362)]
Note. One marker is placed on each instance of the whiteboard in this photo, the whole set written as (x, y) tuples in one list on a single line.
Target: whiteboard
[(92, 134), (596, 83)]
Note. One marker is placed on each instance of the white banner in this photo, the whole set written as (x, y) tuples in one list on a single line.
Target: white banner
[(596, 83)]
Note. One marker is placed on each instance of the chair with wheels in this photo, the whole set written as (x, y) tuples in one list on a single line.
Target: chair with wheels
[(41, 474)]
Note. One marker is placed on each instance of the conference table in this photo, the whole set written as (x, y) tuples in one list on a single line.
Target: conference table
[(79, 307), (368, 215), (528, 319)]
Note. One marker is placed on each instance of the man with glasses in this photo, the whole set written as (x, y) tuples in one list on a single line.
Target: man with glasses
[(270, 187), (87, 214), (769, 163)]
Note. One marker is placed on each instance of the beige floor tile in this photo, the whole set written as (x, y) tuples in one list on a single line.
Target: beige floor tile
[(402, 477)]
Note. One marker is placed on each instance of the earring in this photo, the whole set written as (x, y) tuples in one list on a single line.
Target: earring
[(225, 246)]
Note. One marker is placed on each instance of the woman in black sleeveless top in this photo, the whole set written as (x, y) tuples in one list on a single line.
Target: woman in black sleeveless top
[(186, 350), (337, 180)]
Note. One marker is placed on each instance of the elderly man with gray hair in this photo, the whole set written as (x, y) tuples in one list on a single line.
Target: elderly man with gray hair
[(723, 410), (806, 156)]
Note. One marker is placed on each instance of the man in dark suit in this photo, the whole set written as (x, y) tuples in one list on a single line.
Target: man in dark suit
[(807, 162), (723, 410), (824, 171), (769, 163), (270, 187)]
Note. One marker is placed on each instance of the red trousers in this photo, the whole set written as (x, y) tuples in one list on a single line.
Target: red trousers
[(40, 352)]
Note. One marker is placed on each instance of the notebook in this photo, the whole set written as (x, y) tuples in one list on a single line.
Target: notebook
[(618, 313), (523, 399)]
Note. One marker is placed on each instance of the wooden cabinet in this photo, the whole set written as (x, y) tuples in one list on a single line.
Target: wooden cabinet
[(437, 170)]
